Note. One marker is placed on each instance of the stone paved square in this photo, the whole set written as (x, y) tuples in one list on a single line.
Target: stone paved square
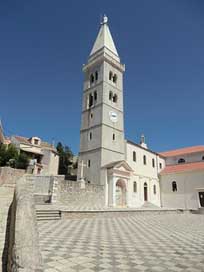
[(130, 242)]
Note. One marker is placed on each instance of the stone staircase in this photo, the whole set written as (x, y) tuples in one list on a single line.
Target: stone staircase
[(48, 214), (149, 206), (6, 197), (198, 211)]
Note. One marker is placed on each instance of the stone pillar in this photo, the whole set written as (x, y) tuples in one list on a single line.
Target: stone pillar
[(54, 192), (127, 192), (82, 183), (114, 190), (106, 191)]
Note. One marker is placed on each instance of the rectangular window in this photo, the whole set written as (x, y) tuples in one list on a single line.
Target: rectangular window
[(89, 163), (90, 100), (36, 142), (135, 187), (144, 160), (90, 136), (153, 163), (134, 156), (160, 165)]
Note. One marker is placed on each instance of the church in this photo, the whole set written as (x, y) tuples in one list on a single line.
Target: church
[(133, 175)]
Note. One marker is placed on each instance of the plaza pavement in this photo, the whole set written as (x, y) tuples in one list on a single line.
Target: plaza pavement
[(126, 242)]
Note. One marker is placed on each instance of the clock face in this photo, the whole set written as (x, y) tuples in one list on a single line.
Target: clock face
[(113, 116)]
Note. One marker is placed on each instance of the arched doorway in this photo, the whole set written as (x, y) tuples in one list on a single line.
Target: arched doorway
[(120, 194), (145, 192)]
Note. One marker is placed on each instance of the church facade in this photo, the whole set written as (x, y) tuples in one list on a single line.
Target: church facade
[(132, 175)]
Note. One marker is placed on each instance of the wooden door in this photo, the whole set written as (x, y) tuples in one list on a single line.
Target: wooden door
[(201, 197), (145, 193), (119, 196)]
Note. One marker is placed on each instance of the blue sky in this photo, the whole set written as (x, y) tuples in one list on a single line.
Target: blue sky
[(43, 45)]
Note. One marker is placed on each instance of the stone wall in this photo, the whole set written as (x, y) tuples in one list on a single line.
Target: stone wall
[(9, 175), (24, 252), (44, 187), (78, 196)]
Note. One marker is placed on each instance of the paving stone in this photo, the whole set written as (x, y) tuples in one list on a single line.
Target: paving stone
[(150, 242)]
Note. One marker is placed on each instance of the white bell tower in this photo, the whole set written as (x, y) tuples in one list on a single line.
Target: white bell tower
[(102, 129)]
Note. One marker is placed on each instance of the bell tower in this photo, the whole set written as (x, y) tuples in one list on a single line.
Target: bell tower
[(102, 128)]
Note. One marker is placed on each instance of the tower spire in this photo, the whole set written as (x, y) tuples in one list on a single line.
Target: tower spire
[(104, 40)]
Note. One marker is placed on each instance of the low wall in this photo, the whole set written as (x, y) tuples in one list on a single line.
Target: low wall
[(24, 252), (44, 187), (9, 175), (75, 195)]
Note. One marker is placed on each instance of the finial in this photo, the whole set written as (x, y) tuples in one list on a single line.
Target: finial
[(104, 20), (142, 139)]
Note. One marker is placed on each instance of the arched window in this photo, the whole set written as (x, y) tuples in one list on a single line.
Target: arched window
[(91, 78), (181, 160), (110, 95), (160, 165), (153, 163), (110, 75), (95, 95), (114, 78), (113, 136), (134, 156), (144, 160), (174, 186), (135, 187), (115, 98), (154, 189), (96, 75), (145, 192), (90, 100)]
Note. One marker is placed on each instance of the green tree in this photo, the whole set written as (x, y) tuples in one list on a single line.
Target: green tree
[(10, 156), (65, 158), (2, 155), (22, 161)]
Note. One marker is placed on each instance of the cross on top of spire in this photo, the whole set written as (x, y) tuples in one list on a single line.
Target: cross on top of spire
[(104, 20)]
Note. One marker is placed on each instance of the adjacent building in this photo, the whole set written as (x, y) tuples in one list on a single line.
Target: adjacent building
[(43, 156), (132, 174), (182, 180)]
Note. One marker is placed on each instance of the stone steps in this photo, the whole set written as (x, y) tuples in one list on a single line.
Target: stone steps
[(47, 215), (198, 211)]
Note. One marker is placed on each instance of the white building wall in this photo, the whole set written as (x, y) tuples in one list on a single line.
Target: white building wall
[(193, 157), (136, 199), (143, 174), (138, 166), (186, 196)]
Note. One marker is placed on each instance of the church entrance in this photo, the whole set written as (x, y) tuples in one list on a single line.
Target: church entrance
[(145, 192), (201, 197), (120, 194)]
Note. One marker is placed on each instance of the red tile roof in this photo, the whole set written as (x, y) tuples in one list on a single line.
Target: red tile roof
[(183, 151), (182, 167)]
